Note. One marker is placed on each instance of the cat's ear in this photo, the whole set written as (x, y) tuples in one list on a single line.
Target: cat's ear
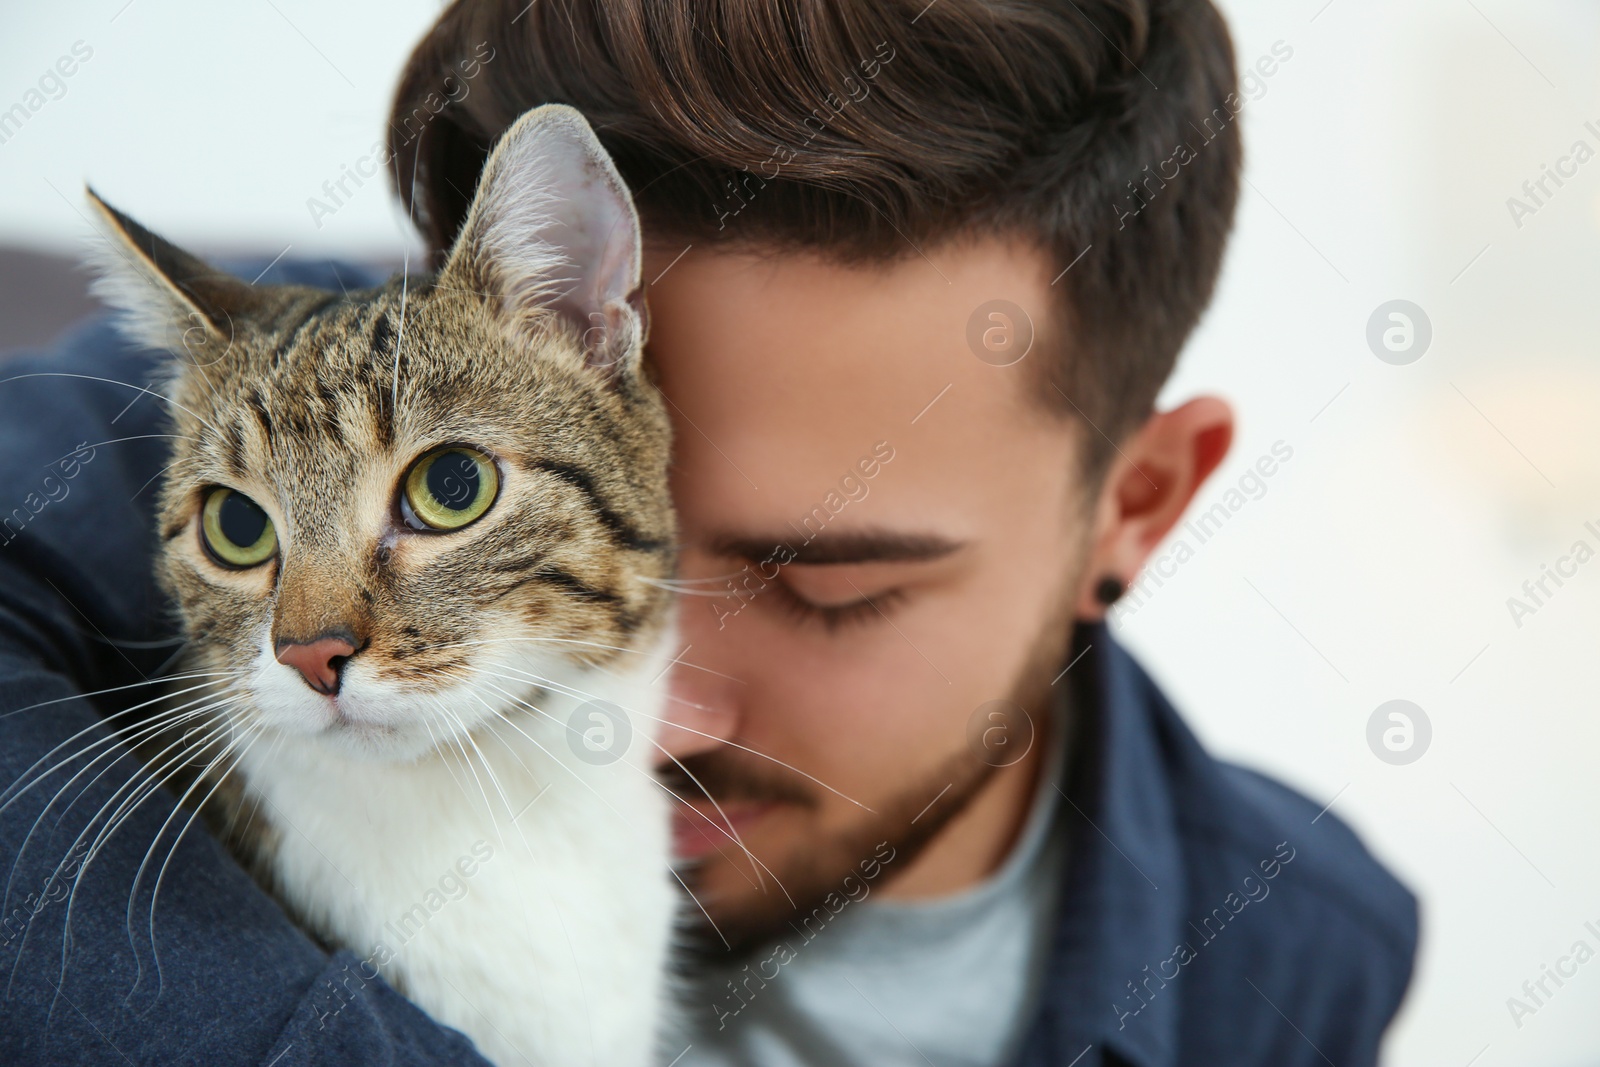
[(553, 228), (168, 298)]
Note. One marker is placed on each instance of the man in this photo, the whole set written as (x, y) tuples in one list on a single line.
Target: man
[(916, 274)]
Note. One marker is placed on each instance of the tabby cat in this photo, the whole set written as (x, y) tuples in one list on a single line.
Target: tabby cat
[(419, 538)]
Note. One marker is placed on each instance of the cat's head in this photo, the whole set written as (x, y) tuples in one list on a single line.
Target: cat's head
[(395, 512)]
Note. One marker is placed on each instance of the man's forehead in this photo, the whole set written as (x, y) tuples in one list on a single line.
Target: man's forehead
[(808, 394), (808, 346)]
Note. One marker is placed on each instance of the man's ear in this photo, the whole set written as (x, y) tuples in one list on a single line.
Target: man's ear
[(168, 298), (552, 228), (1148, 488)]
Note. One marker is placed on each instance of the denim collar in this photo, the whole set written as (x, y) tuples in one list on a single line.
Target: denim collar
[(1123, 902)]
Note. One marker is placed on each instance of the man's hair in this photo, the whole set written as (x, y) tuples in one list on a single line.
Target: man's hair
[(1104, 131)]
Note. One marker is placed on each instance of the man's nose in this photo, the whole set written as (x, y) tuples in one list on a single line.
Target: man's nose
[(320, 661), (701, 710)]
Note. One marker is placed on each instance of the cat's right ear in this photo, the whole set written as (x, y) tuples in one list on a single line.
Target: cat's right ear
[(552, 229), (168, 299)]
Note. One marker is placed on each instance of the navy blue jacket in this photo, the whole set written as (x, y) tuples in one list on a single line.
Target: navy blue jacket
[(1210, 916)]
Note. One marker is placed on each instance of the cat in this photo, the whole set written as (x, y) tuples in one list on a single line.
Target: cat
[(419, 539)]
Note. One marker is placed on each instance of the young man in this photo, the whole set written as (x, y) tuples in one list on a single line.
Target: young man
[(916, 274)]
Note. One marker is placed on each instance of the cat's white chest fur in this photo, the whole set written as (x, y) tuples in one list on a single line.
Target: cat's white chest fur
[(518, 891)]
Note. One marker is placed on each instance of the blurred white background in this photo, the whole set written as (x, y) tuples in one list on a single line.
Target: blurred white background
[(1378, 561)]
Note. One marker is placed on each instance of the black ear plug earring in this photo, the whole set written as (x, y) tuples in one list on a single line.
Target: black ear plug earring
[(1109, 590)]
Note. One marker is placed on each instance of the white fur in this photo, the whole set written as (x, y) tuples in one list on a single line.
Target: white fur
[(148, 312), (556, 952)]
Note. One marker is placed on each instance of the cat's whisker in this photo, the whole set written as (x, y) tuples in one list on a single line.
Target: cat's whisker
[(676, 876), (687, 586), (136, 790), (119, 688), (551, 683), (151, 480), (135, 437), (6, 798), (234, 833), (677, 582), (459, 289), (488, 769), (148, 728), (437, 745), (716, 593), (447, 745), (118, 756), (112, 381), (455, 738), (725, 828), (221, 726), (728, 830), (405, 285), (129, 804), (536, 639), (142, 790), (512, 751), (590, 644), (536, 744), (124, 642), (251, 735), (131, 732)]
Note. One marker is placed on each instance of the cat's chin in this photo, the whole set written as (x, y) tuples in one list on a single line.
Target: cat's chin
[(358, 739), (376, 742)]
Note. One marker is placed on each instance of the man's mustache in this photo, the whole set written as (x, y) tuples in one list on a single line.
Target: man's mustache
[(728, 777)]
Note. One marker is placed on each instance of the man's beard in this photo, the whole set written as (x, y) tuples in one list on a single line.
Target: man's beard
[(807, 878), (908, 822)]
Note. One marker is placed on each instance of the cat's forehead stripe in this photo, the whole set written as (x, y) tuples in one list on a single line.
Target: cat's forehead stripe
[(297, 316)]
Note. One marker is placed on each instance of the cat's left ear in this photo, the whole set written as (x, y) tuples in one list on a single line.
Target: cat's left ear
[(553, 228), (168, 299)]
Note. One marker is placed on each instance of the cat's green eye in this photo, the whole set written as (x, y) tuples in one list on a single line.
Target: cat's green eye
[(235, 529), (448, 488)]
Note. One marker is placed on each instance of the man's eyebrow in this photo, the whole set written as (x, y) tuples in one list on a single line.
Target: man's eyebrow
[(856, 546)]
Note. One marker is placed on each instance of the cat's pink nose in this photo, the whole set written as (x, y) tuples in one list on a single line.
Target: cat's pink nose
[(319, 662)]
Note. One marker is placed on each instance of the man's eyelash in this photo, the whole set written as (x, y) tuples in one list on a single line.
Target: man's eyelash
[(834, 616)]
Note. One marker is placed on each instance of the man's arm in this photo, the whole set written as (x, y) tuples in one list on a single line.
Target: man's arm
[(98, 966)]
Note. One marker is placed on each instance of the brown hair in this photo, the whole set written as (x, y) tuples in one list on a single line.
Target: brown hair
[(1104, 130)]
